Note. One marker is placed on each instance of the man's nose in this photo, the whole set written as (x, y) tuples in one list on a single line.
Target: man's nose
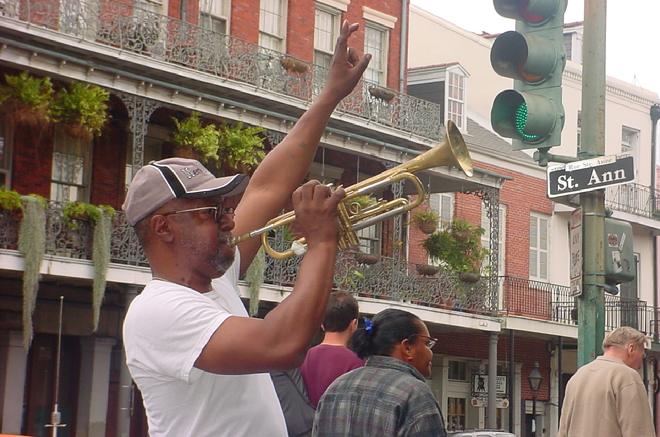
[(227, 222)]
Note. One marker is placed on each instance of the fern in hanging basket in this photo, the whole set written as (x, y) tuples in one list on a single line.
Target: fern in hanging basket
[(459, 254), (82, 109), (11, 203), (83, 211), (191, 134), (241, 148), (26, 99), (427, 221)]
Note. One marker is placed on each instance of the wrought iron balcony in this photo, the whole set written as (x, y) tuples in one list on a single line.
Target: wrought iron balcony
[(634, 199), (389, 279), (129, 28), (552, 302)]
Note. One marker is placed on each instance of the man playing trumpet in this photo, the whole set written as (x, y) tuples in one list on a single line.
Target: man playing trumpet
[(196, 356)]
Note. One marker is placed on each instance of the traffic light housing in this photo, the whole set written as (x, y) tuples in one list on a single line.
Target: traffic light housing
[(533, 55), (619, 259)]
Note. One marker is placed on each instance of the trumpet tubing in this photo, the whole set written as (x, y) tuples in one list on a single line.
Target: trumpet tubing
[(451, 152)]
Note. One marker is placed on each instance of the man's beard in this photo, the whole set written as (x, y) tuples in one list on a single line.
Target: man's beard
[(223, 259)]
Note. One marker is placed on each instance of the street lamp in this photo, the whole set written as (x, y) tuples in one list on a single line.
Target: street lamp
[(535, 378)]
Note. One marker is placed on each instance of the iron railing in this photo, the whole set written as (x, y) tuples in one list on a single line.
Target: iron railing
[(129, 28), (552, 302), (632, 198), (389, 278)]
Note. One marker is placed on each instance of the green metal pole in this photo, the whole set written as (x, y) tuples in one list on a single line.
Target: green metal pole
[(591, 304)]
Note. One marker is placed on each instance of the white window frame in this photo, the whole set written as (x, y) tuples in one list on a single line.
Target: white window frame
[(579, 131), (384, 50), (215, 10), (282, 25), (459, 117), (630, 143), (436, 202), (326, 52), (60, 141), (535, 220)]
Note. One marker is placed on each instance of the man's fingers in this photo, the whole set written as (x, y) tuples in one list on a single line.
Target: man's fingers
[(342, 39), (307, 190), (321, 192), (364, 62), (337, 195)]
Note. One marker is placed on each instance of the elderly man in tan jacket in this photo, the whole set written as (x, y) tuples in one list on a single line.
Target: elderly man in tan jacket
[(606, 398)]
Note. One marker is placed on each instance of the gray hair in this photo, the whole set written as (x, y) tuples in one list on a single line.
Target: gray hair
[(623, 336)]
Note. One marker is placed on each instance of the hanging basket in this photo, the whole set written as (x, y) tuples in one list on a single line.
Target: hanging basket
[(427, 269), (428, 227), (381, 93), (470, 277), (78, 131), (366, 258), (293, 65), (19, 113)]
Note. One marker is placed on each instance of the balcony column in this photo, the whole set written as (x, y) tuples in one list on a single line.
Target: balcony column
[(139, 112), (492, 381), (124, 401), (13, 365), (93, 386)]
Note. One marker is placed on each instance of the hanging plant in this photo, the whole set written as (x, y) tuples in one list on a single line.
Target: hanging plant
[(25, 99), (32, 244), (101, 258), (190, 134), (254, 278), (73, 212), (458, 247), (82, 109), (11, 203), (241, 148), (426, 221)]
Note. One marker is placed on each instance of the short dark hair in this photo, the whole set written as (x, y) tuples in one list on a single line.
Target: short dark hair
[(341, 310), (388, 328)]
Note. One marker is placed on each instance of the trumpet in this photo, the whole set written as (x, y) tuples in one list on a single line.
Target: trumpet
[(353, 217)]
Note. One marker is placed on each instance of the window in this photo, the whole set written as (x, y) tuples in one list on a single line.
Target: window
[(455, 93), (630, 143), (579, 131), (457, 371), (485, 238), (455, 414), (370, 239), (538, 247), (568, 46), (5, 159), (214, 15), (443, 204), (271, 24), (326, 30), (375, 42), (70, 173)]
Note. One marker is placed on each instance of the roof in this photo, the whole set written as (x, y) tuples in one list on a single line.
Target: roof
[(483, 138)]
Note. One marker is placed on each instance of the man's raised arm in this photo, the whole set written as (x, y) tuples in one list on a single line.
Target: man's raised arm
[(284, 168)]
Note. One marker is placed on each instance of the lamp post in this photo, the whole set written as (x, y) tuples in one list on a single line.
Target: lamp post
[(535, 378)]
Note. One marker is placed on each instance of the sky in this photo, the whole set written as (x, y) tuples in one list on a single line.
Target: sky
[(633, 44)]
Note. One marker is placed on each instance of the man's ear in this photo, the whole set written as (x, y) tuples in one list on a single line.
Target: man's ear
[(354, 325), (160, 228)]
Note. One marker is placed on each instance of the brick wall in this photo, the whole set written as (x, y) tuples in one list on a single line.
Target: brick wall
[(107, 167), (32, 160), (527, 352)]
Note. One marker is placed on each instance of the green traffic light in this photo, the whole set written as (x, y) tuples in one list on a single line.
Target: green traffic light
[(521, 122)]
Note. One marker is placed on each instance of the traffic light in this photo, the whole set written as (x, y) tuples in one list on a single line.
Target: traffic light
[(532, 113)]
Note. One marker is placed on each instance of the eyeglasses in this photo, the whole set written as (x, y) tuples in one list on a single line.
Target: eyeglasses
[(430, 341), (218, 211)]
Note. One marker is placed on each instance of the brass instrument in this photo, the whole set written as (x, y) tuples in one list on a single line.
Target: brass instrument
[(352, 217)]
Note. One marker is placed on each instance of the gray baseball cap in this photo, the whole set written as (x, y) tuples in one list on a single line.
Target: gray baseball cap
[(161, 181)]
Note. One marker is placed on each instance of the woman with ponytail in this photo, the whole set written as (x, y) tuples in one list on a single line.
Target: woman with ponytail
[(389, 396)]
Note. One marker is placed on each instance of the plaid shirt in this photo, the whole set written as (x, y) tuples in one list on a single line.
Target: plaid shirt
[(386, 398)]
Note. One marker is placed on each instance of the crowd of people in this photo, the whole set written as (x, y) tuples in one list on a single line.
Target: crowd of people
[(205, 368)]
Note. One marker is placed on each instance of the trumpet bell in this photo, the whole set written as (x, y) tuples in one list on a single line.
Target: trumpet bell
[(456, 153)]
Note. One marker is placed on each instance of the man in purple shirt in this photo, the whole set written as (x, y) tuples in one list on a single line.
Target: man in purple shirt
[(330, 359)]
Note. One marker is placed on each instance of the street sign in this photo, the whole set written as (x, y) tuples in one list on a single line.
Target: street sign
[(575, 235), (590, 174)]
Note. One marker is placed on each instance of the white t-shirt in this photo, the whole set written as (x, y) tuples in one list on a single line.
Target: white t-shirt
[(165, 330)]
